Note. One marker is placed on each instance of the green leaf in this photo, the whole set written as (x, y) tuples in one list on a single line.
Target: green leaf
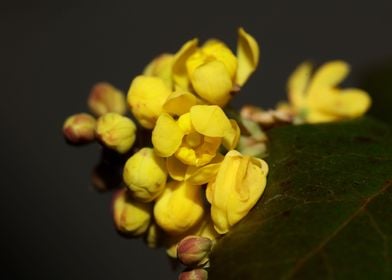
[(326, 212)]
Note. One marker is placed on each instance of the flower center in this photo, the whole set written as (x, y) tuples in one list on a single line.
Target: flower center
[(194, 139)]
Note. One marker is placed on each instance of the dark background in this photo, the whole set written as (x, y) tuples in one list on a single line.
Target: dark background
[(53, 224)]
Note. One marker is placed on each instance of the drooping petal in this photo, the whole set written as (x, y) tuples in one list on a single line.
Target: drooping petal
[(232, 136), (328, 75), (247, 56), (210, 120), (166, 136), (204, 174), (180, 73), (297, 84), (238, 186), (146, 97), (176, 169), (179, 102), (212, 82)]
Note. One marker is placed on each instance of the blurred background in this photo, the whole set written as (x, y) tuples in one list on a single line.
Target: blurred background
[(54, 225)]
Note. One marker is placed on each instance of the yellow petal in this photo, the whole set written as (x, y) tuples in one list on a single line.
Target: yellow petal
[(176, 168), (347, 103), (185, 123), (179, 208), (166, 136), (180, 74), (212, 82), (297, 84), (179, 102), (238, 186), (215, 49), (328, 75), (146, 97), (210, 120), (145, 175), (232, 136), (204, 174), (247, 56)]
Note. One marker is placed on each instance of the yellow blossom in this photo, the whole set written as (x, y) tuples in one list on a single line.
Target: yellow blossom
[(237, 187), (116, 132), (130, 217), (79, 128), (317, 98), (212, 70), (145, 175), (179, 208), (105, 98), (146, 97), (196, 136), (161, 67)]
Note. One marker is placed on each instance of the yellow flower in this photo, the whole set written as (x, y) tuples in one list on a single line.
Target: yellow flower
[(161, 67), (105, 98), (146, 97), (212, 70), (237, 187), (79, 128), (318, 98), (196, 136), (145, 175), (179, 208), (116, 132), (130, 217)]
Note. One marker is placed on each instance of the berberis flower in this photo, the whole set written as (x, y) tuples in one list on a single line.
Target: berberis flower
[(318, 98), (195, 170)]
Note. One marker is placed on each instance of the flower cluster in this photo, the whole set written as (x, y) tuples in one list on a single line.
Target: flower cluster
[(188, 169)]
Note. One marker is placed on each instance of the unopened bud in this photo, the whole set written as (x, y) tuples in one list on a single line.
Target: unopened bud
[(79, 128), (130, 217), (105, 98), (152, 237), (194, 250), (116, 132), (195, 274)]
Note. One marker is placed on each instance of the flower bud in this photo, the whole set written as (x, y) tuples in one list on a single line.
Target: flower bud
[(179, 208), (161, 67), (145, 175), (105, 98), (194, 250), (146, 97), (130, 217), (116, 132), (195, 274), (152, 237), (79, 128)]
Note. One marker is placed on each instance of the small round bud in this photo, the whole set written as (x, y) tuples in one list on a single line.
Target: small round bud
[(79, 128), (116, 132), (105, 98), (194, 250), (130, 217)]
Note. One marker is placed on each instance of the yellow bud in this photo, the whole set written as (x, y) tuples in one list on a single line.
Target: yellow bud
[(179, 208), (105, 98), (130, 217), (79, 128), (152, 237), (236, 189), (146, 97), (161, 67), (116, 132), (145, 174)]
